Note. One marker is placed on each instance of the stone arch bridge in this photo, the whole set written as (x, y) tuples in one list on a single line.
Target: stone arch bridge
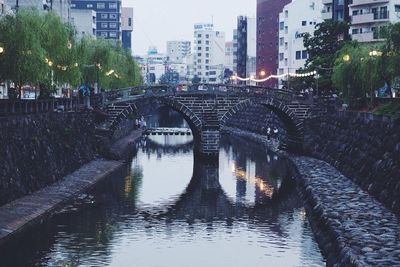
[(207, 108)]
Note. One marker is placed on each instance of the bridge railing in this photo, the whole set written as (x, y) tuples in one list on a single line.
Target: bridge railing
[(20, 107), (125, 94)]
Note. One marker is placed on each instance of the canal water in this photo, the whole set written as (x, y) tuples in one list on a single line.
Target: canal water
[(168, 208)]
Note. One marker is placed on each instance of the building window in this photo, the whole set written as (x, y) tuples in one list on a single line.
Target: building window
[(113, 34), (199, 35), (207, 61), (304, 54), (113, 25), (104, 16), (129, 21), (286, 31), (112, 5), (199, 54), (396, 8), (354, 31), (281, 56), (207, 55), (199, 42), (303, 23), (207, 48), (298, 54), (199, 48), (101, 5), (89, 6), (207, 36), (104, 34), (281, 41), (286, 13), (104, 25), (72, 5), (281, 25), (113, 16), (207, 42), (199, 61)]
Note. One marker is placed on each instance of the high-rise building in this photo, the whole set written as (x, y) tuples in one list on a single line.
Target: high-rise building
[(229, 55), (209, 53), (296, 19), (235, 47), (327, 9), (340, 10), (246, 47), (177, 51), (84, 21), (267, 37), (60, 7), (369, 16), (127, 27), (108, 16), (2, 8)]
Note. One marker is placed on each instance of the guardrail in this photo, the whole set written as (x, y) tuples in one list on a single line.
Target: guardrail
[(20, 107), (134, 93)]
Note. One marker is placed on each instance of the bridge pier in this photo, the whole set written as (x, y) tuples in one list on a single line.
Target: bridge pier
[(208, 145)]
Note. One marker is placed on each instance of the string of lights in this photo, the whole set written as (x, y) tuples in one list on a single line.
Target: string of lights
[(289, 74)]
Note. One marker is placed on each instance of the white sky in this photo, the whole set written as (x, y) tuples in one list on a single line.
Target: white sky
[(157, 21)]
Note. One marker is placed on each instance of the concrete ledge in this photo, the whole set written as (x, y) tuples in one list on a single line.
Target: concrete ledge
[(19, 215)]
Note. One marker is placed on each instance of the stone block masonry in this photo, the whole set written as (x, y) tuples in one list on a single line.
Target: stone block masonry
[(38, 150), (366, 148)]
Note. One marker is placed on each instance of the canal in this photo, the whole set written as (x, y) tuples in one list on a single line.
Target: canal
[(168, 208)]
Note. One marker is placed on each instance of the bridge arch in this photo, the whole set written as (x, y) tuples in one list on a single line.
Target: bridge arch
[(194, 122), (292, 125)]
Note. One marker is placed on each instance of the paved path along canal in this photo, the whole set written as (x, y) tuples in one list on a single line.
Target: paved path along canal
[(25, 211)]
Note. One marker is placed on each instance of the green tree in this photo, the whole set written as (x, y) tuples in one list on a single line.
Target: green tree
[(23, 59), (328, 38)]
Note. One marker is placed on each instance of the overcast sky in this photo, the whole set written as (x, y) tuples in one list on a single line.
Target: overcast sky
[(157, 21)]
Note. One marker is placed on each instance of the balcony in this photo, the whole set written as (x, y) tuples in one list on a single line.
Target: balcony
[(370, 18), (327, 2), (367, 37), (367, 2), (326, 15)]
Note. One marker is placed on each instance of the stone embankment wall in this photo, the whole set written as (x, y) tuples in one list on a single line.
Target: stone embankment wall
[(257, 119), (364, 147), (37, 150)]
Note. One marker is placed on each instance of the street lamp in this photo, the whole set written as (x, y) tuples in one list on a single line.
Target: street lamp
[(346, 58), (1, 50)]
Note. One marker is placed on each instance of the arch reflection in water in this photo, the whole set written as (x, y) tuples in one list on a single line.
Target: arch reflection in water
[(176, 211)]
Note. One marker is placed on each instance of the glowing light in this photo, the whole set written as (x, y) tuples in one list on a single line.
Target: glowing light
[(69, 45), (1, 49), (76, 64), (375, 53), (312, 73), (346, 58), (50, 63), (110, 72), (262, 73)]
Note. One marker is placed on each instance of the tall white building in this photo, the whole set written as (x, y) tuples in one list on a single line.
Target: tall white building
[(368, 16), (84, 21), (229, 55), (297, 18), (209, 53), (3, 9), (178, 50), (327, 9), (60, 7)]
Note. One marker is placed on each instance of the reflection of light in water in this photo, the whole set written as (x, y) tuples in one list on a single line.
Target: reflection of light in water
[(303, 214), (171, 140), (128, 185), (262, 186)]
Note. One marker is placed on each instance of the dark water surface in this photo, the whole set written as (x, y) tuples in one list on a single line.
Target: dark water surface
[(173, 210)]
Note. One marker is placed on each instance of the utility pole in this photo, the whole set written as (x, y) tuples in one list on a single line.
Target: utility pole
[(16, 6)]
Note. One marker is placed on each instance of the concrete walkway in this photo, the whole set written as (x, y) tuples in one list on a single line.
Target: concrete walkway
[(26, 211), (124, 147)]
